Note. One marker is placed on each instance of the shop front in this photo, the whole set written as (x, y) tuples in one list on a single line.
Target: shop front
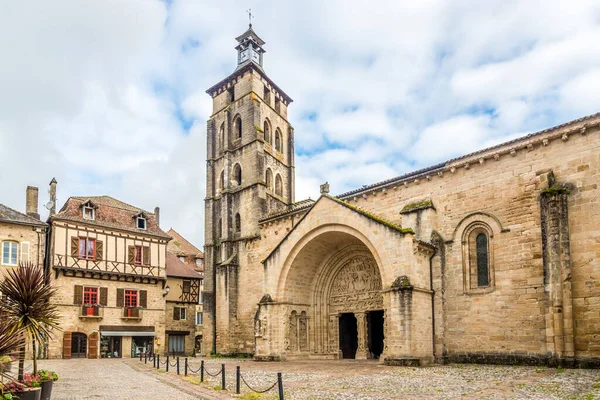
[(126, 341)]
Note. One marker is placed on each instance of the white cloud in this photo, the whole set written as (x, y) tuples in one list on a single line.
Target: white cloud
[(98, 93)]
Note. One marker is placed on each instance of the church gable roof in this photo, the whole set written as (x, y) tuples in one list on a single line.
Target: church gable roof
[(342, 203)]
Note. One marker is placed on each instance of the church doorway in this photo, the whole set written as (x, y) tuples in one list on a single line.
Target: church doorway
[(348, 335), (375, 335)]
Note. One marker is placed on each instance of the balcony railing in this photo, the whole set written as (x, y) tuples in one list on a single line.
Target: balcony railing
[(104, 266), (132, 313), (91, 311)]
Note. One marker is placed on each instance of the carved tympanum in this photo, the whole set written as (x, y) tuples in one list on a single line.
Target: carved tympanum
[(357, 286)]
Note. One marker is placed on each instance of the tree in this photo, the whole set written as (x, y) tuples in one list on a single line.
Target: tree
[(26, 305)]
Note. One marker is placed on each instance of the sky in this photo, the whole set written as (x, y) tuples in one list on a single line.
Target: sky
[(108, 96)]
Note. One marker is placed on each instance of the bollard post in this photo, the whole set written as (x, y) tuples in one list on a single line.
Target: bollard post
[(167, 362), (237, 379), (280, 385), (222, 376), (158, 361), (145, 358), (202, 371), (186, 366), (154, 361), (177, 365)]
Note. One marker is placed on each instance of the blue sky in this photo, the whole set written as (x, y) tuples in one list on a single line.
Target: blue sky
[(109, 96)]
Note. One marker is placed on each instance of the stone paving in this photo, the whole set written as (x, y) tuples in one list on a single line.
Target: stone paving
[(304, 380), (107, 379)]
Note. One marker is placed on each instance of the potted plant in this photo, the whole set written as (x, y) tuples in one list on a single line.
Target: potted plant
[(47, 378), (27, 309), (27, 389)]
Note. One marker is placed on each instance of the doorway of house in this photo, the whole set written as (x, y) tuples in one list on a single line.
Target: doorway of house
[(78, 345), (375, 334), (348, 335)]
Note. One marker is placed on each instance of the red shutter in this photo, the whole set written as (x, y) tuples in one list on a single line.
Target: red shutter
[(67, 345)]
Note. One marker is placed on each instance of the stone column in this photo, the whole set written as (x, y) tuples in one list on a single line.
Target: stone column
[(557, 272), (334, 335), (362, 352)]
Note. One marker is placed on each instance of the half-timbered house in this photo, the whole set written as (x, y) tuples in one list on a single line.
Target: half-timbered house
[(107, 261)]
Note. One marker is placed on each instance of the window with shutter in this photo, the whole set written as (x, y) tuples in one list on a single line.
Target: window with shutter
[(24, 252), (138, 255), (87, 248), (175, 313), (104, 296), (182, 313), (186, 286), (78, 295), (120, 297), (131, 298), (99, 250), (143, 298)]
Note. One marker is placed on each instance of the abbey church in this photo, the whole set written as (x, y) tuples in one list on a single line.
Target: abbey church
[(490, 257)]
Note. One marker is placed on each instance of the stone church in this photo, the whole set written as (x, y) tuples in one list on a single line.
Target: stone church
[(489, 257)]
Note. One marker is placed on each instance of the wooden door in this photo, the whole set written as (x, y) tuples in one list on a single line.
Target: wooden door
[(67, 345), (92, 351)]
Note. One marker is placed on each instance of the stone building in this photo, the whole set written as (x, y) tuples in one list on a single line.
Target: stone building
[(22, 236), (107, 260), (489, 257), (183, 309), (185, 275)]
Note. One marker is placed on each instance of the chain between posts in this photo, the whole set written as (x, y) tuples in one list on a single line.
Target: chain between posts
[(239, 377)]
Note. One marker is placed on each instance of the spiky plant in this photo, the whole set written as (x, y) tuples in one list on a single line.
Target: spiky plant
[(26, 305), (9, 343)]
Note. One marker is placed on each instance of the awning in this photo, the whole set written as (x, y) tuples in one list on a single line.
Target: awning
[(114, 333)]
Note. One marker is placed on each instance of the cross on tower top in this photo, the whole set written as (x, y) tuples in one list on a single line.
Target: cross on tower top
[(250, 16)]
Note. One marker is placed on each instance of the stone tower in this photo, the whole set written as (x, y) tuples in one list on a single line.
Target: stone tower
[(250, 173)]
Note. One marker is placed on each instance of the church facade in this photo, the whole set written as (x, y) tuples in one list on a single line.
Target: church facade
[(489, 257)]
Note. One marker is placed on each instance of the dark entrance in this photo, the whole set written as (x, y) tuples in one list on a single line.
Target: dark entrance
[(348, 335), (375, 326), (78, 345)]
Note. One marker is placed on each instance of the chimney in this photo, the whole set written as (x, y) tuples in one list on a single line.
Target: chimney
[(31, 202), (157, 216), (53, 196)]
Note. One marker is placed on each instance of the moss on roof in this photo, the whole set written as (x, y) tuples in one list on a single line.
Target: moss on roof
[(555, 190), (416, 205), (373, 217)]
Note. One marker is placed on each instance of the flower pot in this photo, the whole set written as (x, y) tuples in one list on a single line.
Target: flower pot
[(46, 390), (30, 394)]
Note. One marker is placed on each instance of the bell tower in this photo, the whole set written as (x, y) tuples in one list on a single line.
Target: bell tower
[(249, 174)]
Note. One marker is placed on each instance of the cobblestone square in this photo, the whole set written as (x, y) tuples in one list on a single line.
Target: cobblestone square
[(303, 380)]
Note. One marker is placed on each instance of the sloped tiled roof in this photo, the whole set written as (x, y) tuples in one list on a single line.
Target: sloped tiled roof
[(296, 207), (9, 215), (181, 245), (111, 213), (179, 269)]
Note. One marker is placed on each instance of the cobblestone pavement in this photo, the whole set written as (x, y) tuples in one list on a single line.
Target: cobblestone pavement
[(304, 380), (107, 379), (349, 379)]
